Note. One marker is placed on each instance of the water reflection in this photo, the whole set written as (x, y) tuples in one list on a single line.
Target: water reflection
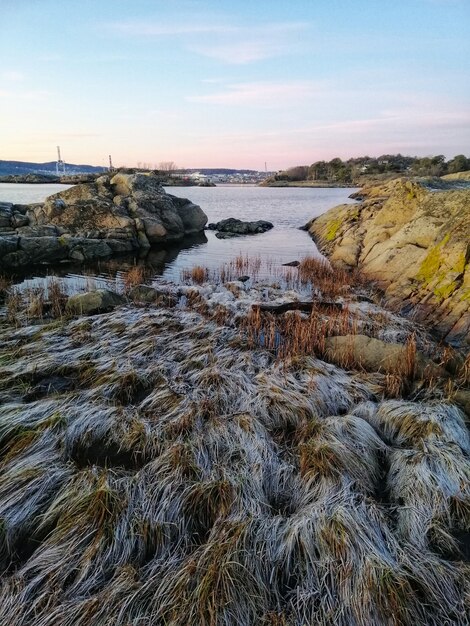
[(106, 273)]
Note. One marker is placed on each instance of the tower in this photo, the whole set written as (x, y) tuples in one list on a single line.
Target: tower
[(111, 168), (60, 165)]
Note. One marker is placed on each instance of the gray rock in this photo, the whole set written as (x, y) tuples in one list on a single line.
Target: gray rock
[(18, 220), (238, 227), (44, 249), (8, 245), (92, 302), (144, 293), (223, 235)]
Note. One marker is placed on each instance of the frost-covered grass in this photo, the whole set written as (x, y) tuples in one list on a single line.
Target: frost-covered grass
[(159, 466)]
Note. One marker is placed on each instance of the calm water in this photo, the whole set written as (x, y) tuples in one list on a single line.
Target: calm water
[(286, 208)]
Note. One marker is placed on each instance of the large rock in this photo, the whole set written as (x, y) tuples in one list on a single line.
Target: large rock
[(92, 302), (232, 227), (414, 243), (107, 216), (374, 355)]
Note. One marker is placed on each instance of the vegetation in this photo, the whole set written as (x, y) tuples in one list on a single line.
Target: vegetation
[(357, 170), (203, 465)]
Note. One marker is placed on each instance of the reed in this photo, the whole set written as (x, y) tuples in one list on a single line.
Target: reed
[(133, 277)]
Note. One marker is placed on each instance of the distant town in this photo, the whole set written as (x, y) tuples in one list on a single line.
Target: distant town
[(54, 170)]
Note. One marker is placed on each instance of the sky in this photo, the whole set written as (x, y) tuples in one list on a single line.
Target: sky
[(218, 83)]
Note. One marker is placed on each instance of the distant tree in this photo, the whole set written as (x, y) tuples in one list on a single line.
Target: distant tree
[(169, 167), (459, 163), (297, 173)]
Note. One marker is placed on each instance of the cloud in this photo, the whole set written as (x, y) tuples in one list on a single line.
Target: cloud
[(12, 76), (222, 40), (141, 28), (38, 95), (270, 94)]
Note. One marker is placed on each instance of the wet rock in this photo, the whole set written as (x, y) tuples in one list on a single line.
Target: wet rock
[(237, 227), (92, 302), (226, 235)]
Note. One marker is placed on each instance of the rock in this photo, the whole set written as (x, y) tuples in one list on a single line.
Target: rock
[(291, 264), (144, 293), (92, 302), (110, 215), (237, 227), (226, 235), (243, 279), (414, 244), (18, 220), (375, 355), (462, 398)]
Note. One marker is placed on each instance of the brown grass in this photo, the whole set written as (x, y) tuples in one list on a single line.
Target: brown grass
[(57, 299), (133, 277), (294, 334), (197, 275), (5, 283)]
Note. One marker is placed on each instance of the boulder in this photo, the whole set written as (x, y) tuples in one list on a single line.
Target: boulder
[(414, 244), (148, 295), (235, 227), (374, 355), (92, 302)]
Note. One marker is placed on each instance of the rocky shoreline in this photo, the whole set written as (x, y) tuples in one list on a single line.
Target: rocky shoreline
[(413, 242), (112, 215)]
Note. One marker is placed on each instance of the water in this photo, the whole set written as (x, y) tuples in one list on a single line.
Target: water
[(27, 194), (287, 208)]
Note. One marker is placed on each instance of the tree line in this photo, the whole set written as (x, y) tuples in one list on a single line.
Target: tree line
[(351, 170)]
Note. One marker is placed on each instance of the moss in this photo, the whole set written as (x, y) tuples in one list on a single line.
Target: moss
[(443, 291), (332, 229), (431, 264)]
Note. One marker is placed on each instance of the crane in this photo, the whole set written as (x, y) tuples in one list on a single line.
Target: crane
[(60, 165)]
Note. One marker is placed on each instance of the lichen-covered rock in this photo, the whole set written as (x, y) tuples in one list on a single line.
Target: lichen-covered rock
[(414, 243)]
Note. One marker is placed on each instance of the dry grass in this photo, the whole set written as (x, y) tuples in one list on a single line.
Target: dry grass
[(197, 275), (133, 277), (169, 473)]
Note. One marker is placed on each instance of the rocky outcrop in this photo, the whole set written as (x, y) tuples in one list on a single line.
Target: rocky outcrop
[(231, 227), (414, 243), (111, 215)]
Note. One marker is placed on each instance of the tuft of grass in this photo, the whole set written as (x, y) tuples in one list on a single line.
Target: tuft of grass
[(133, 277)]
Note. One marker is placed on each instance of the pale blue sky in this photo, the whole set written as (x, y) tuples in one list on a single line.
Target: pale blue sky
[(233, 84)]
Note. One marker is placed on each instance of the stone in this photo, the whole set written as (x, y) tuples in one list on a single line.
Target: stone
[(92, 302), (413, 243), (292, 264), (374, 355), (150, 295), (18, 220), (238, 227)]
